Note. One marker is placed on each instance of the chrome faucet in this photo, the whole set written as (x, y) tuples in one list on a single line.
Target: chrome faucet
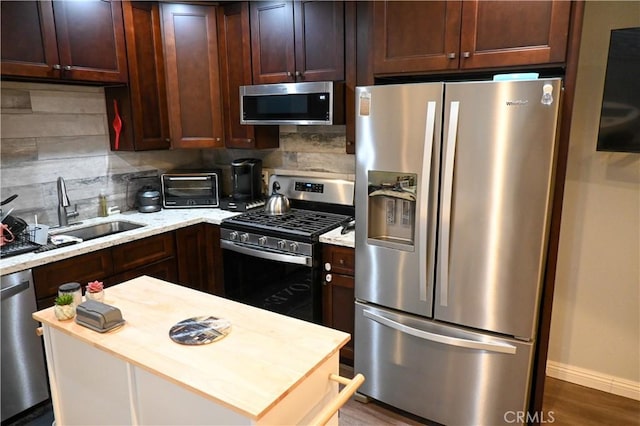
[(63, 203)]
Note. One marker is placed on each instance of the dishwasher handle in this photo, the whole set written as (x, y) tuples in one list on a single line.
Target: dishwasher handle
[(13, 289), (441, 338)]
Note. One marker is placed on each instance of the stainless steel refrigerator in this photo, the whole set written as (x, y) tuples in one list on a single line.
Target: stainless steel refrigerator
[(453, 193)]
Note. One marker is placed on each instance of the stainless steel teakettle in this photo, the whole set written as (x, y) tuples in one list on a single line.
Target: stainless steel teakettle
[(277, 204)]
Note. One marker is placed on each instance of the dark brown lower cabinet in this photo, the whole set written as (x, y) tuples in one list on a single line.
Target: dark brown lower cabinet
[(338, 294), (82, 269), (166, 270), (189, 256), (214, 261), (154, 256), (199, 258)]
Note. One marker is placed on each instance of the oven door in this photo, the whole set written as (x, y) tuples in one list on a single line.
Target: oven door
[(278, 282)]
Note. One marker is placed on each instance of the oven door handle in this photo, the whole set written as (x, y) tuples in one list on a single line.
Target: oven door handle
[(278, 257)]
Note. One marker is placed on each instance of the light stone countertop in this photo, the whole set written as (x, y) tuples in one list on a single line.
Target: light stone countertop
[(336, 238), (156, 223)]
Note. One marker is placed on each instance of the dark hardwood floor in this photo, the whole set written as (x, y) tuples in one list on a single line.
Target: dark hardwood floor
[(564, 404)]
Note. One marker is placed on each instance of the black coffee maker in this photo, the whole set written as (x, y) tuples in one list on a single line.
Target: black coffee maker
[(246, 174)]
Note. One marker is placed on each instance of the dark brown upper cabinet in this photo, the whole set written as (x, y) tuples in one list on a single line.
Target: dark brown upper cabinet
[(350, 75), (142, 105), (192, 76), (235, 70), (297, 41), (68, 40), (414, 37)]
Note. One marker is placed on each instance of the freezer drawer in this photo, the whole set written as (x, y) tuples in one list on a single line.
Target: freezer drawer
[(442, 373)]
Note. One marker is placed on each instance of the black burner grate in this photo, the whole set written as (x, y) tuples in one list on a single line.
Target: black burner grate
[(297, 222)]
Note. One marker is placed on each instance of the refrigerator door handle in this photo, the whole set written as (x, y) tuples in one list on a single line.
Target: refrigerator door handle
[(424, 192), (447, 195), (504, 348)]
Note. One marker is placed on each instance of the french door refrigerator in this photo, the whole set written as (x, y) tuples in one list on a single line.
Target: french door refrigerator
[(453, 192)]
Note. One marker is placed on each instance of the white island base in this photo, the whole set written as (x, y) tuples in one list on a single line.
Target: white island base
[(270, 369)]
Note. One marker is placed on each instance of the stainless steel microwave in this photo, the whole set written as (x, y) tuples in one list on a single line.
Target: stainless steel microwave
[(191, 188), (309, 103)]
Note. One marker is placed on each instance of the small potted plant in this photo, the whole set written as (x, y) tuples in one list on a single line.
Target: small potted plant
[(64, 308), (95, 291)]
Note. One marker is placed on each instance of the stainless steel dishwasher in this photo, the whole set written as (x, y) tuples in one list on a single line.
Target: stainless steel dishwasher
[(24, 376)]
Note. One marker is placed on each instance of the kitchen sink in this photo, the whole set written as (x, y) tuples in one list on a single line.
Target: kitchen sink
[(101, 229)]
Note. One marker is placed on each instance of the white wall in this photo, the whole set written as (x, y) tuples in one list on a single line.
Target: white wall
[(595, 327)]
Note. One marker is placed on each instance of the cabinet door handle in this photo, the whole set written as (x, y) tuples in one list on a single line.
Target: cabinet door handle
[(466, 54), (57, 67), (289, 74), (117, 125), (451, 55), (298, 74), (67, 67)]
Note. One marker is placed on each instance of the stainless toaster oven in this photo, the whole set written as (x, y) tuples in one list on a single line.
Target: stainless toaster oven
[(191, 188)]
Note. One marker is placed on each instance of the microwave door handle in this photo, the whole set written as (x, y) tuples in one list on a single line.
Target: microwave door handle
[(447, 195), (268, 255), (504, 348), (424, 193), (189, 178)]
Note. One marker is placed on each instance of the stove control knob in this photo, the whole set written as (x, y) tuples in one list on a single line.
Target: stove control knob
[(244, 237), (233, 235), (262, 241), (282, 244), (293, 247)]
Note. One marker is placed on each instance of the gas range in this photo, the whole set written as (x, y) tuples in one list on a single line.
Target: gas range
[(318, 206), (274, 261), (294, 232)]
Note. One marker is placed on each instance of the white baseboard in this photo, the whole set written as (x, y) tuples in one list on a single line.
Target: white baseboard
[(593, 379)]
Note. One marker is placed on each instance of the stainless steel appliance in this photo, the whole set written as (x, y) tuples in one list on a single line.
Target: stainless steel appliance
[(247, 192), (246, 174), (148, 199), (24, 377), (292, 103), (191, 188), (273, 261), (453, 184)]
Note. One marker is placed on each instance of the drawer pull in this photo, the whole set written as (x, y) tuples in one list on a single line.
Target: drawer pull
[(351, 386)]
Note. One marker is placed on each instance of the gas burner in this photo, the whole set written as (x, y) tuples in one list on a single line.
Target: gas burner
[(296, 221)]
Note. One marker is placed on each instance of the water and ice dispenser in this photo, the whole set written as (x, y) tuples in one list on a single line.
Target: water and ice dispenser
[(392, 209)]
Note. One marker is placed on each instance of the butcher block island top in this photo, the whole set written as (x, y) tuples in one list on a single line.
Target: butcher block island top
[(264, 358)]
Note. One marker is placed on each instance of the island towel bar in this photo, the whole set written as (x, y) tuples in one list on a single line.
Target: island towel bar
[(352, 385)]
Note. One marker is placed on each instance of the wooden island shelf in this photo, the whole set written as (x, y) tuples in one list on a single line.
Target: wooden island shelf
[(270, 369)]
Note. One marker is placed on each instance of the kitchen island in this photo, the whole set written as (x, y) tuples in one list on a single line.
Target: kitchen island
[(270, 369)]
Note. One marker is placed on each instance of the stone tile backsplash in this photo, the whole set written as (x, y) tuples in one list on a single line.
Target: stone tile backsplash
[(52, 130)]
